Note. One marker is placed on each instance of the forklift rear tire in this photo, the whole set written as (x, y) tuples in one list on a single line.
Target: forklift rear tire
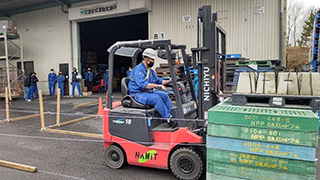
[(114, 157), (185, 163), (100, 89)]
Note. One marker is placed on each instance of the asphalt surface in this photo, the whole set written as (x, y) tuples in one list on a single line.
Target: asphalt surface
[(59, 156)]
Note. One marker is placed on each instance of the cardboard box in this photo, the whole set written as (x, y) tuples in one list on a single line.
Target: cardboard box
[(84, 88), (88, 93), (8, 26)]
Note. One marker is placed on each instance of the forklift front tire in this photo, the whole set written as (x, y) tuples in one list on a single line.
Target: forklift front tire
[(114, 157), (185, 163)]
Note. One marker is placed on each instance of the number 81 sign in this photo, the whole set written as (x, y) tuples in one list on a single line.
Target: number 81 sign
[(158, 36)]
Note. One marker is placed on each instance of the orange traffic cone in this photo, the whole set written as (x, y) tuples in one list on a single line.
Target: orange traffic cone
[(100, 110)]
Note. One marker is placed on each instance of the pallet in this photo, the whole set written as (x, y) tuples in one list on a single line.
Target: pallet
[(275, 100)]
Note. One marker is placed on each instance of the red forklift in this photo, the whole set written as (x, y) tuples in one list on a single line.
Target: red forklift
[(136, 134)]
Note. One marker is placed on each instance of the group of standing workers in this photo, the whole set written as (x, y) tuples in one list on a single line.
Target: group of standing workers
[(30, 83), (52, 79)]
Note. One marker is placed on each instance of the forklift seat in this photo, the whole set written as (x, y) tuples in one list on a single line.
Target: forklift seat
[(127, 100)]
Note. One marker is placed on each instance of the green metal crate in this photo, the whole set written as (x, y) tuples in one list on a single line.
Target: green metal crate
[(259, 161), (301, 138), (212, 176), (253, 173), (273, 118)]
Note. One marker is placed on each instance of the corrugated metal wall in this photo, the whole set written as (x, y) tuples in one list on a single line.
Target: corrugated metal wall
[(254, 35), (46, 35), (46, 40)]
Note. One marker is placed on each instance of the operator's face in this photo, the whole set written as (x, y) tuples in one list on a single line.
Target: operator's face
[(150, 62)]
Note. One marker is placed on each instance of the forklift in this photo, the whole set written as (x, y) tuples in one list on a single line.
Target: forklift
[(136, 134)]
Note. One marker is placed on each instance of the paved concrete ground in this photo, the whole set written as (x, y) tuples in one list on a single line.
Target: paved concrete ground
[(60, 156)]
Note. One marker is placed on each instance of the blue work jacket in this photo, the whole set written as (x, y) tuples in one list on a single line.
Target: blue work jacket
[(88, 76), (140, 78), (105, 78), (61, 79), (52, 77)]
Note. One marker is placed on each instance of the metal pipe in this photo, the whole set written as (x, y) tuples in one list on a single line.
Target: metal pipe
[(110, 75)]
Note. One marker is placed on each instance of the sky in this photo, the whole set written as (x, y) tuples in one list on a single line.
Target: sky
[(308, 5)]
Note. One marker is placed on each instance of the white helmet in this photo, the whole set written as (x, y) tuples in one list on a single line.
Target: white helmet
[(150, 53)]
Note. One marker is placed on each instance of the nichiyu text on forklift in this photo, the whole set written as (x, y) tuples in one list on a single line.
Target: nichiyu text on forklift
[(135, 134)]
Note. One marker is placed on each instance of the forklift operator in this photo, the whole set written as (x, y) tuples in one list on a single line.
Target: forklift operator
[(143, 80)]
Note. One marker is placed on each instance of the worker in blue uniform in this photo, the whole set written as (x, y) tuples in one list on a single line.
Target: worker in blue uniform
[(52, 78), (142, 82), (88, 77), (61, 78), (33, 86), (105, 79)]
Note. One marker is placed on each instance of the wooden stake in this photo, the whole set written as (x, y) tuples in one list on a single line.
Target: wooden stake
[(58, 106), (7, 103), (99, 136), (71, 122), (41, 110), (86, 104), (18, 166), (23, 117)]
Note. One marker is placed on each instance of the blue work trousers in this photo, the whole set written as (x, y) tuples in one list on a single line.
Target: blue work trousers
[(74, 85), (52, 87), (34, 90), (27, 95), (105, 86), (61, 87), (160, 100)]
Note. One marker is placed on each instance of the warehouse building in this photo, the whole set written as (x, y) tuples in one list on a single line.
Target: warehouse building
[(62, 34)]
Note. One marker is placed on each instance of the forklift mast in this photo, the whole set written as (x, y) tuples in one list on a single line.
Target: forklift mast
[(210, 59)]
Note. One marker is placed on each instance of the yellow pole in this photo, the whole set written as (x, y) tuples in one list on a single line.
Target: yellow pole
[(41, 109), (7, 104), (58, 106)]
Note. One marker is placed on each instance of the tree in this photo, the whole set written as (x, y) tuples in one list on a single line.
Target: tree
[(307, 32), (294, 15)]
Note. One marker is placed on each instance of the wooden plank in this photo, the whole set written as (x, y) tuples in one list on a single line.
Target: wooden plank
[(267, 135), (18, 166), (41, 109), (212, 176), (7, 103), (58, 106), (72, 121), (27, 117), (91, 135), (253, 173), (275, 118), (262, 148), (272, 163), (86, 104)]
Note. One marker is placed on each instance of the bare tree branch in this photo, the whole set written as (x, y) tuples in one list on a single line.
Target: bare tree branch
[(294, 15)]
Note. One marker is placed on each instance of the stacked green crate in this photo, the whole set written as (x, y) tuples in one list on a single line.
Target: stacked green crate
[(261, 143)]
